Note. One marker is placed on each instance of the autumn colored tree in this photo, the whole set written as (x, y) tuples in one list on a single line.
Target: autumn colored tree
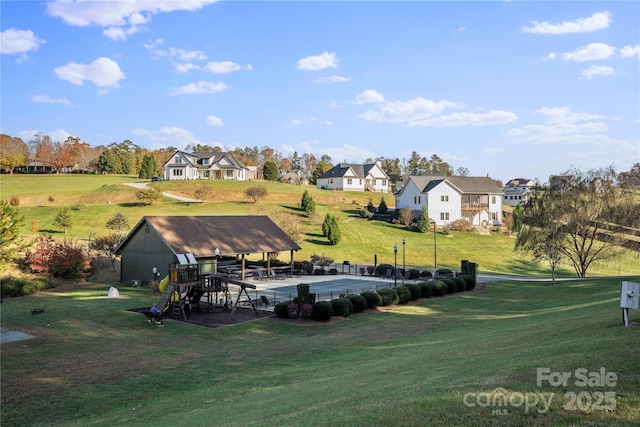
[(256, 193), (105, 246), (13, 152)]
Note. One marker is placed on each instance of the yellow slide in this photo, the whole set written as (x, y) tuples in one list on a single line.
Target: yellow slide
[(163, 284)]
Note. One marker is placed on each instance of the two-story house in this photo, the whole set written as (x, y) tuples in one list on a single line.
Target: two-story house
[(205, 165), (517, 191), (449, 198), (355, 177)]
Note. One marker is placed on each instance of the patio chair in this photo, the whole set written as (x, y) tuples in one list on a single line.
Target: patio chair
[(388, 274), (264, 300), (407, 275), (276, 275)]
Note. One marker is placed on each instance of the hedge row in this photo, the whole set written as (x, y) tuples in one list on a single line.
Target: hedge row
[(323, 310)]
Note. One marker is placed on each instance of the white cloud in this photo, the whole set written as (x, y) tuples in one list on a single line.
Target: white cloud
[(18, 41), (591, 52), (597, 70), (58, 135), (44, 99), (186, 67), (407, 111), (493, 117), (199, 88), (318, 62), (563, 126), (368, 96), (171, 135), (214, 121), (332, 79), (597, 21), (225, 67), (565, 115), (462, 28), (116, 16), (629, 50), (103, 72)]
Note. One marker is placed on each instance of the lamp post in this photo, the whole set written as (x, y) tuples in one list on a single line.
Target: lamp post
[(395, 264), (404, 266), (215, 266), (435, 263)]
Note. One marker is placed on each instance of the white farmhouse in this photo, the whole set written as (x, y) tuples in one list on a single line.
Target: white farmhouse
[(517, 191), (353, 177), (205, 165), (449, 198)]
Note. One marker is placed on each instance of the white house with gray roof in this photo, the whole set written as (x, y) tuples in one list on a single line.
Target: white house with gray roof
[(205, 165), (354, 177), (449, 198)]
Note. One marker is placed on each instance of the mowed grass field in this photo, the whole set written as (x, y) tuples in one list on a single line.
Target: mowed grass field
[(435, 362), (96, 198)]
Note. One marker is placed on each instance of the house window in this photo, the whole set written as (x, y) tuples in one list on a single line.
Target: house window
[(384, 182), (510, 197), (178, 159), (360, 181), (419, 200), (444, 198), (444, 216), (205, 161), (206, 174), (415, 200), (506, 197), (331, 181), (229, 174), (176, 172), (349, 181), (493, 200), (373, 182)]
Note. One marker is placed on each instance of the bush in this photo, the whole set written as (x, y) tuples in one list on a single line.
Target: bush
[(414, 289), (461, 285), (426, 274), (426, 289), (372, 298), (439, 288), (389, 296), (461, 225), (307, 311), (469, 280), (292, 309), (341, 307), (14, 201), (382, 269), (358, 302), (451, 285), (414, 273), (281, 310), (322, 311), (404, 294), (20, 286)]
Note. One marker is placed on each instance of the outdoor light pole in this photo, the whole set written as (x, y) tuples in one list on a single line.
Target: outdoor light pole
[(215, 269), (435, 264), (395, 264), (404, 266)]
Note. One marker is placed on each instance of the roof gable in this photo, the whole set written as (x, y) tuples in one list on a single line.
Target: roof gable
[(201, 235)]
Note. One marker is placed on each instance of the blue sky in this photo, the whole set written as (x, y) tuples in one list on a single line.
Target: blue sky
[(509, 89)]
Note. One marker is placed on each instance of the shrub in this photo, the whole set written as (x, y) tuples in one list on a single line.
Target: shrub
[(20, 286), (461, 225), (14, 201), (461, 285), (372, 298), (307, 310), (371, 269), (382, 269), (341, 307), (439, 288), (414, 273), (358, 302), (322, 311), (469, 280), (451, 285), (414, 289), (426, 274), (256, 193), (281, 309), (426, 289), (404, 294), (382, 207), (389, 296), (292, 310)]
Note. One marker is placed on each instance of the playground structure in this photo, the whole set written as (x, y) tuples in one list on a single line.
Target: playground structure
[(211, 290)]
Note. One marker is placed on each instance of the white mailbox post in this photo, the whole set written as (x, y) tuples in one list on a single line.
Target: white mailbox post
[(629, 296)]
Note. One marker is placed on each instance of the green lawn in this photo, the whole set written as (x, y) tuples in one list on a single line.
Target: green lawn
[(362, 240), (94, 363)]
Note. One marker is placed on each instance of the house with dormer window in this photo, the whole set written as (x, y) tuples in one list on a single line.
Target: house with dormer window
[(517, 191), (355, 177), (205, 165)]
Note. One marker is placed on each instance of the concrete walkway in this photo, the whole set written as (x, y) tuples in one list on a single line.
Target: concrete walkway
[(8, 335)]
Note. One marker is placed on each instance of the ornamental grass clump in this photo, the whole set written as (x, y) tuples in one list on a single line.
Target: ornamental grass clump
[(372, 298)]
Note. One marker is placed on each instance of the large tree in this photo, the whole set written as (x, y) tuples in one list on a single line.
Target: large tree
[(13, 152), (11, 242), (577, 209)]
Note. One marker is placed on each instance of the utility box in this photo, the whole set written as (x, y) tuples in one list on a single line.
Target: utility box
[(629, 295)]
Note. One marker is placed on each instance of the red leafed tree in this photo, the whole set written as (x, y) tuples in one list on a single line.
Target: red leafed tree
[(39, 257)]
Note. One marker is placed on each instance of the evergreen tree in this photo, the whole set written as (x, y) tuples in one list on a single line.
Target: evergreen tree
[(118, 222), (270, 171), (10, 240), (64, 219), (307, 204), (518, 217), (423, 223), (333, 232), (370, 206), (148, 168), (382, 208)]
